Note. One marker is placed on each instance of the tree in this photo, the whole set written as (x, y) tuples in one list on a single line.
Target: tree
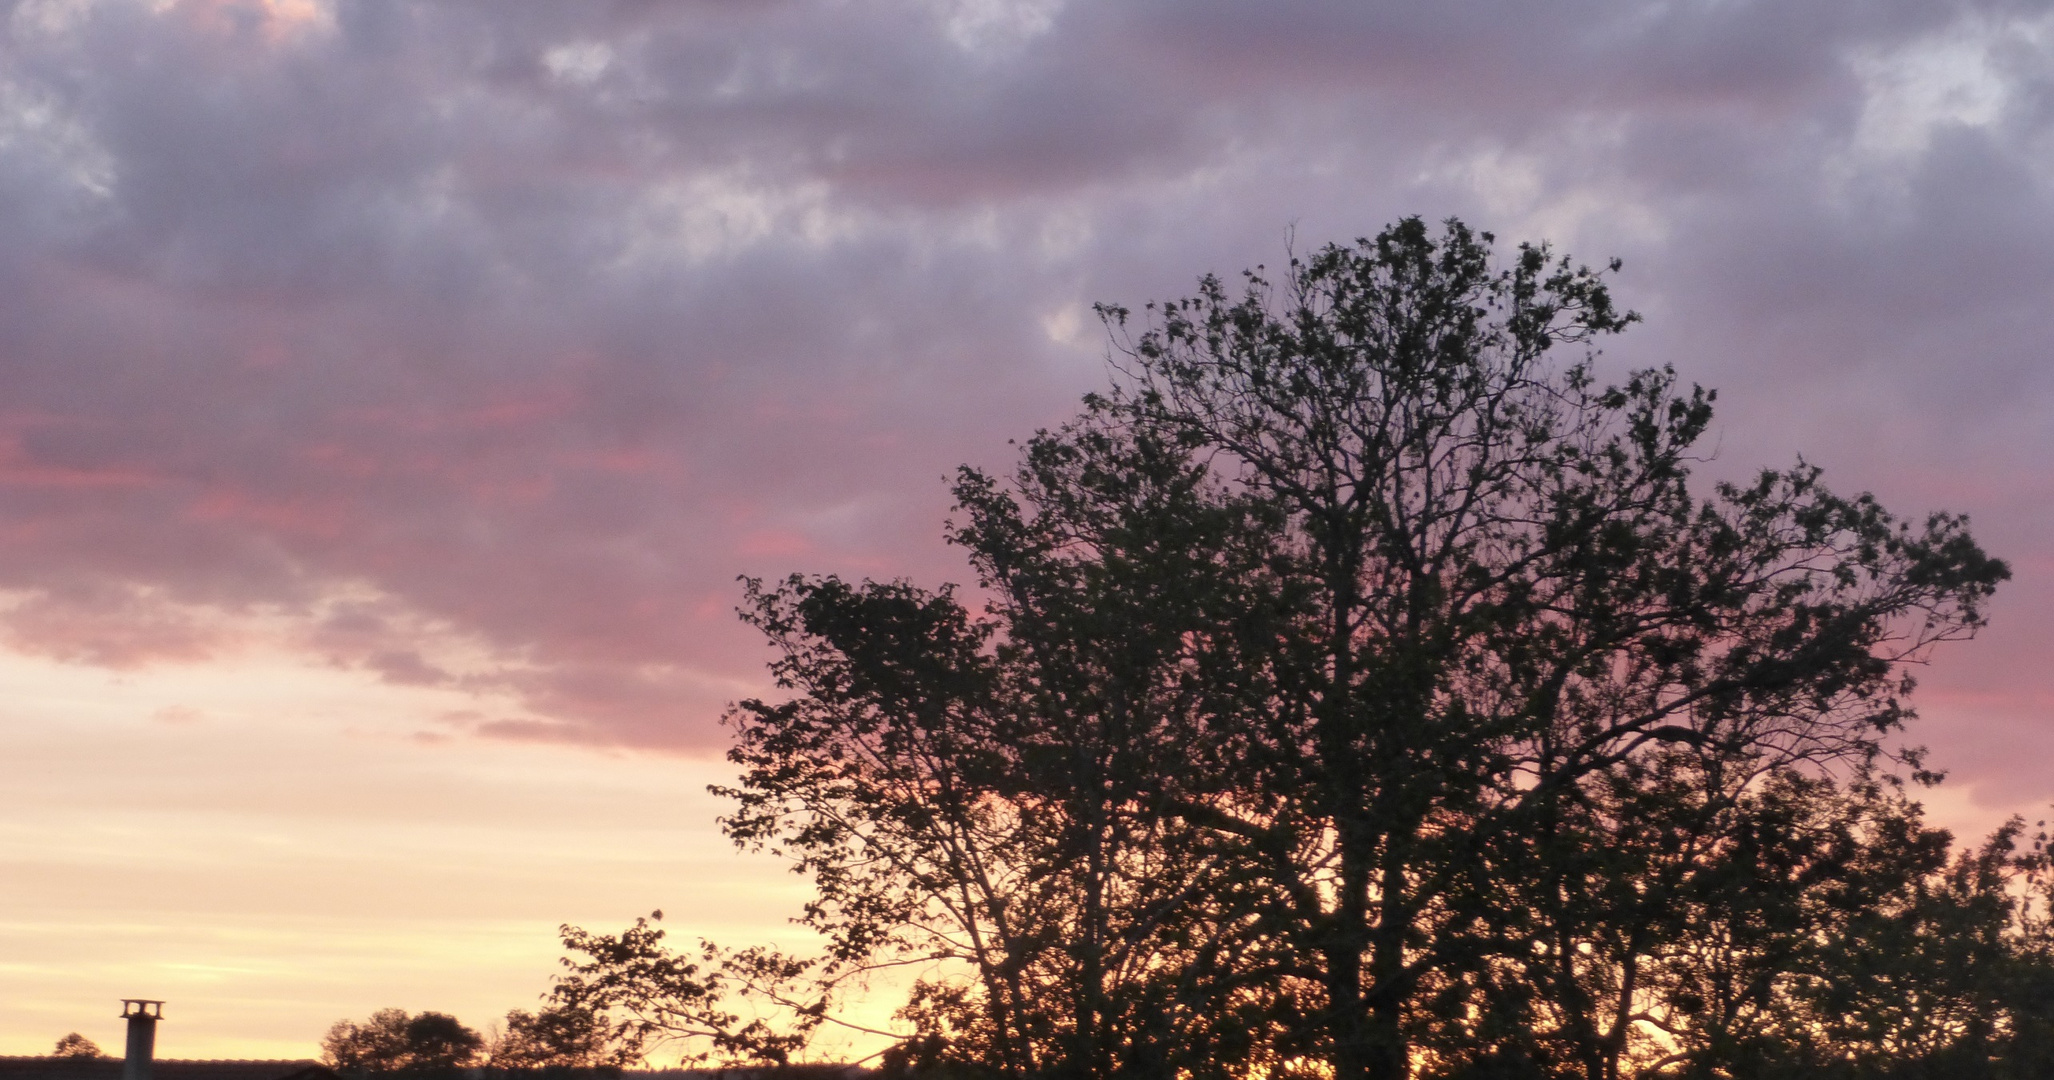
[(558, 1037), (1504, 589), (622, 995), (1785, 926), (392, 1041), (76, 1045), (992, 809), (1348, 673), (2029, 988)]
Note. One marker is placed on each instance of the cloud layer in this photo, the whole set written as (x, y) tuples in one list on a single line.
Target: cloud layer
[(481, 345)]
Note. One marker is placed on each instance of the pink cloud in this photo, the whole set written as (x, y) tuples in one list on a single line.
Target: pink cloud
[(110, 627)]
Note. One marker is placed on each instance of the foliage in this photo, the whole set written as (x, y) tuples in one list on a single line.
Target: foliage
[(984, 809), (556, 1037), (76, 1045), (623, 995), (1357, 691), (1503, 604), (392, 1041)]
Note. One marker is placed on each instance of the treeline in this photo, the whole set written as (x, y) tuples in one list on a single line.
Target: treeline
[(1355, 691), (434, 1043), (437, 1046)]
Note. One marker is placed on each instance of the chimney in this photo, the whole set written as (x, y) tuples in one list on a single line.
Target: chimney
[(142, 1016)]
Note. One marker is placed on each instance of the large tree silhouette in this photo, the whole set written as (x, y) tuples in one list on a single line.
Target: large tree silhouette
[(1356, 685)]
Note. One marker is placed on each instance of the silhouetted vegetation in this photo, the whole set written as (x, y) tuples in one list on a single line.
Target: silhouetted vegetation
[(1357, 692), (76, 1045), (560, 1038), (622, 995), (392, 1041)]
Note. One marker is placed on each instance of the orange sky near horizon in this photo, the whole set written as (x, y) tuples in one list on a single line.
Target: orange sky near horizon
[(270, 847)]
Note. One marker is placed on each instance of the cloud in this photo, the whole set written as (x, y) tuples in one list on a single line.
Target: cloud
[(483, 345)]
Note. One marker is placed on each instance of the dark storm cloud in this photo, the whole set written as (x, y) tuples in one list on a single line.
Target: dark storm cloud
[(535, 324)]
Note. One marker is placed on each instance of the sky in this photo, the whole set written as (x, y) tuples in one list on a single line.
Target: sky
[(391, 394)]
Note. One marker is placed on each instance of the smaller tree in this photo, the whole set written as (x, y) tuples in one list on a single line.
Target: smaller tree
[(376, 1045), (437, 1041), (559, 1035), (622, 995), (76, 1045), (392, 1041), (2029, 992)]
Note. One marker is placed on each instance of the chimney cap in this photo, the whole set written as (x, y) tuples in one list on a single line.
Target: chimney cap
[(149, 1007)]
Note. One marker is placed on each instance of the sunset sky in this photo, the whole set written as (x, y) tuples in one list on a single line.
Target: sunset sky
[(391, 394)]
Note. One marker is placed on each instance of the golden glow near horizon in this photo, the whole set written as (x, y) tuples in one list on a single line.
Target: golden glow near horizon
[(266, 845), (270, 845)]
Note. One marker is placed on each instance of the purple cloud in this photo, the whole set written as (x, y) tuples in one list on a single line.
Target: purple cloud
[(532, 326)]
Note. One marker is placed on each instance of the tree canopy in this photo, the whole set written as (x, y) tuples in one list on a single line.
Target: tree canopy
[(1361, 687), (393, 1041)]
